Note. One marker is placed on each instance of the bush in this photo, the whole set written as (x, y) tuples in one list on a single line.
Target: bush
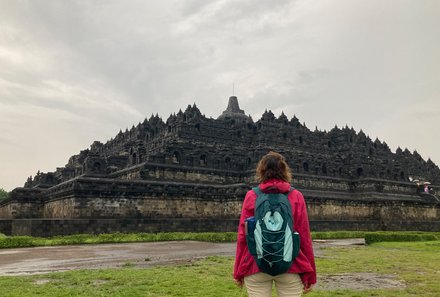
[(28, 241), (69, 239), (16, 242), (338, 234), (371, 237), (217, 237), (116, 238)]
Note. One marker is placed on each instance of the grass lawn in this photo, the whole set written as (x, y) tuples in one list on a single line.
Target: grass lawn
[(417, 264)]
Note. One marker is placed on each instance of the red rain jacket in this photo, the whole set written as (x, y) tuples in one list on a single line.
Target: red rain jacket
[(304, 263)]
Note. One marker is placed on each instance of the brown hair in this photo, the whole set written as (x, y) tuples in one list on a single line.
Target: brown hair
[(273, 165)]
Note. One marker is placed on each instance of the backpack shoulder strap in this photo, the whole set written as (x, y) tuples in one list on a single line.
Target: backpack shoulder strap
[(257, 191), (260, 194), (290, 205)]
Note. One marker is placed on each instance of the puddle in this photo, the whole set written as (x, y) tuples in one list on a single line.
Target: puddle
[(10, 252)]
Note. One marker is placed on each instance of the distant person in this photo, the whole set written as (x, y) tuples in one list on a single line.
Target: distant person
[(274, 176), (426, 190)]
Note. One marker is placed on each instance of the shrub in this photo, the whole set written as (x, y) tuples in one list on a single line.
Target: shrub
[(28, 241), (338, 234), (69, 239), (371, 237), (16, 242)]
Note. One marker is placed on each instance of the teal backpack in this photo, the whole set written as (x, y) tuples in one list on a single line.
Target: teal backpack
[(270, 235)]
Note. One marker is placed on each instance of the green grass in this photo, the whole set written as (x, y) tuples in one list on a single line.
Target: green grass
[(415, 263), (209, 277)]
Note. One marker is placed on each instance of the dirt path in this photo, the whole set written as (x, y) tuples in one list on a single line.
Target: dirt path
[(37, 260), (62, 258)]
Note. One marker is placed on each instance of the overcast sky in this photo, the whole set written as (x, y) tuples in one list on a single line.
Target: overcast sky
[(72, 72)]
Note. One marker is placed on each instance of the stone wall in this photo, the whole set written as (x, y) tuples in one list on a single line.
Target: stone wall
[(22, 203), (99, 204), (105, 198), (53, 227), (6, 226), (344, 210), (151, 207)]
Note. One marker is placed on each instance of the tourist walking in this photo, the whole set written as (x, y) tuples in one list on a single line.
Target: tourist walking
[(274, 176)]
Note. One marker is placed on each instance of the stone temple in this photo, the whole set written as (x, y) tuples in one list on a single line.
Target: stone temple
[(191, 173)]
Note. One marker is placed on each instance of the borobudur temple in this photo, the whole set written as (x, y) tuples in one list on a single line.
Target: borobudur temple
[(190, 173)]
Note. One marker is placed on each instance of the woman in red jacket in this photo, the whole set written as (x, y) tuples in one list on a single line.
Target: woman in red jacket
[(274, 176)]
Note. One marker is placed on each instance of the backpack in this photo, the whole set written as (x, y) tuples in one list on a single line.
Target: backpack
[(270, 235)]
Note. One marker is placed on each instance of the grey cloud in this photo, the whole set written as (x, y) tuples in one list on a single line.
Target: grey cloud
[(109, 64)]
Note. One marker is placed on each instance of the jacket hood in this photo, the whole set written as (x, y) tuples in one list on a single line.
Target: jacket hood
[(275, 185)]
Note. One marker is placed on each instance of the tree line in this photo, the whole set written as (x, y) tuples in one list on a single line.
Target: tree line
[(3, 194)]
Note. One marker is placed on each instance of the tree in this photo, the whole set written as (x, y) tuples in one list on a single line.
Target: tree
[(3, 194)]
